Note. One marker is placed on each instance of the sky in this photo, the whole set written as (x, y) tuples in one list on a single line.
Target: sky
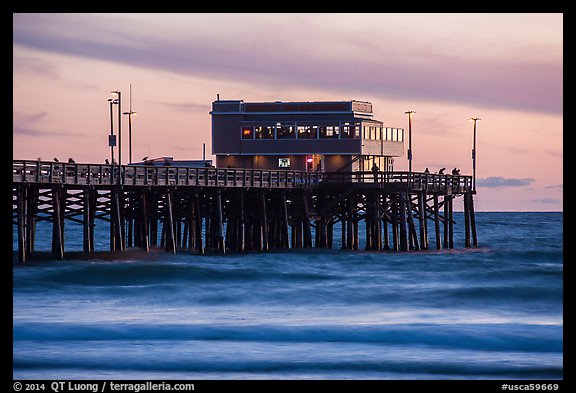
[(506, 69)]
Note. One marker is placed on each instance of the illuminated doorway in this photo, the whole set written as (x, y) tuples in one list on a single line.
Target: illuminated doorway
[(315, 162)]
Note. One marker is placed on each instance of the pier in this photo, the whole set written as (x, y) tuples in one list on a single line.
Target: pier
[(230, 210)]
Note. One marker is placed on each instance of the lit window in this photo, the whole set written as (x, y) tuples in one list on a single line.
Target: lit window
[(285, 132), (307, 132), (264, 132), (247, 133), (284, 163), (346, 131), (329, 131)]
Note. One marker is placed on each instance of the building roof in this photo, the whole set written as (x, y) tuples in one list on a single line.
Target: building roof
[(360, 108)]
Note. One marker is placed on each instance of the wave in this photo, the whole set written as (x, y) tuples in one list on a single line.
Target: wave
[(397, 368), (487, 337), (136, 274)]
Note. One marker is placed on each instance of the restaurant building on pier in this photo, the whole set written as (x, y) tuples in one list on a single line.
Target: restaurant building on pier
[(325, 136)]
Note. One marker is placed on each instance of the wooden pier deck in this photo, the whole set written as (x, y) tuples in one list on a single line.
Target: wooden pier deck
[(236, 210)]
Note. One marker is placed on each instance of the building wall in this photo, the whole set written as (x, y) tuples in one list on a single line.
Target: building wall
[(318, 146), (338, 162), (393, 149), (329, 163), (234, 162), (226, 134), (382, 148)]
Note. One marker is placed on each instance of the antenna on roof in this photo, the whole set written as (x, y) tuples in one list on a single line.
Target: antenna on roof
[(218, 97)]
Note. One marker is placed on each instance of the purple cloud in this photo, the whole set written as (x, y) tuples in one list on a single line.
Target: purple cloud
[(498, 181), (546, 200), (304, 53)]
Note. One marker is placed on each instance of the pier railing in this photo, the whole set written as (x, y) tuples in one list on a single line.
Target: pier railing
[(398, 181), (146, 175)]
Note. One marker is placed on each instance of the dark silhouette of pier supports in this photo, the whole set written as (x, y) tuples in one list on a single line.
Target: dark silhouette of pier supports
[(58, 208), (220, 220)]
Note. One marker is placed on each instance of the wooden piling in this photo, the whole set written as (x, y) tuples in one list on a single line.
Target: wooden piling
[(87, 245), (450, 222), (145, 244), (119, 195), (395, 210), (153, 206), (285, 225), (329, 232), (198, 223), (377, 231), (386, 244), (466, 221), (368, 222), (170, 241), (355, 235), (422, 220), (306, 221), (446, 221), (350, 223), (219, 223), (411, 226), (22, 224), (57, 229), (241, 242), (402, 218), (473, 221), (31, 209), (437, 223), (117, 218), (343, 233), (264, 246)]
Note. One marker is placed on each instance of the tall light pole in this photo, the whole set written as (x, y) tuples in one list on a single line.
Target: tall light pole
[(130, 114), (111, 138), (119, 102), (474, 119), (409, 113)]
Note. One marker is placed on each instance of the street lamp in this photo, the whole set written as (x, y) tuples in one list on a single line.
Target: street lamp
[(409, 113), (474, 119), (111, 139), (119, 102), (130, 114)]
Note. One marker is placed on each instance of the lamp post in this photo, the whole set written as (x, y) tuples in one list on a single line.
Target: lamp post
[(112, 139), (409, 113), (130, 114), (119, 102), (474, 119)]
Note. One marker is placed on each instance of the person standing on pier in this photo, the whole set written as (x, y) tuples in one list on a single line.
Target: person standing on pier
[(375, 171)]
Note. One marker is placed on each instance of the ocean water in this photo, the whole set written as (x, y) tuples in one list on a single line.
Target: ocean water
[(493, 312)]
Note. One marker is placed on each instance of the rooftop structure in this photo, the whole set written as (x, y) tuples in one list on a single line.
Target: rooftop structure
[(322, 135), (170, 161)]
